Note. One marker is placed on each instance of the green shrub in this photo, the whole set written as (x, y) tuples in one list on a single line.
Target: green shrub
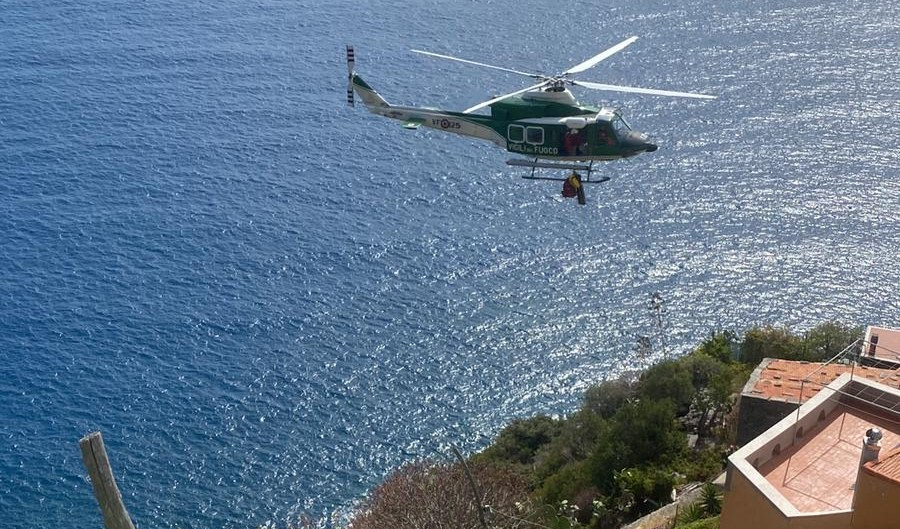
[(710, 500), (770, 342), (648, 488), (702, 465), (719, 346), (828, 339), (608, 456), (705, 523), (690, 514), (578, 436), (605, 399), (566, 484), (647, 431), (641, 434), (703, 369), (819, 343), (521, 439), (670, 379)]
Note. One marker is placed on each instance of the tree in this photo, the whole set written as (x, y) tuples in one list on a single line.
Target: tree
[(578, 436), (669, 379), (606, 398), (719, 346), (712, 387), (641, 433), (770, 342), (703, 369), (567, 483), (521, 439), (439, 496), (647, 432), (830, 338)]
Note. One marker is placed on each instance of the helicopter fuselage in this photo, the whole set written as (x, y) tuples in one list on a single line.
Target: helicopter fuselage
[(546, 124)]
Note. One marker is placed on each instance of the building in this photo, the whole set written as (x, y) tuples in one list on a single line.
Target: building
[(834, 463), (777, 387), (881, 348)]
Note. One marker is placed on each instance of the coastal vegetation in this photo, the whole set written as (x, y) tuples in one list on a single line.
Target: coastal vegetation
[(624, 453)]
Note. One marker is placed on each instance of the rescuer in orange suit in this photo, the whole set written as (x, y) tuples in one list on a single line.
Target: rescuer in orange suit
[(572, 142), (572, 187)]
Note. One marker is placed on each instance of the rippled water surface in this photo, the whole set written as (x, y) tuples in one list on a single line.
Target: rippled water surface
[(266, 300)]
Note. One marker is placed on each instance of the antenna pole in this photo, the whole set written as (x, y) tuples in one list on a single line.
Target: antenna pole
[(656, 305)]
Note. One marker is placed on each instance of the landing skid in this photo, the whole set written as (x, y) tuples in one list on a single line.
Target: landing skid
[(587, 169), (574, 167)]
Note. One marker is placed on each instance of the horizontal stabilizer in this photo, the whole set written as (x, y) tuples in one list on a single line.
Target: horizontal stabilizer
[(413, 124)]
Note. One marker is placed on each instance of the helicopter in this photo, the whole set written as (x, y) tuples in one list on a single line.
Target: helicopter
[(542, 122)]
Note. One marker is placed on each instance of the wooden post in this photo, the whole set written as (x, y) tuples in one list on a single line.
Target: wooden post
[(479, 500), (93, 453)]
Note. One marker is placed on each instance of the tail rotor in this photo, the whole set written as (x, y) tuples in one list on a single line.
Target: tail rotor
[(351, 62)]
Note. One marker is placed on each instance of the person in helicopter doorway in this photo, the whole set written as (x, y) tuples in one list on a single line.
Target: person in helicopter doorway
[(574, 143)]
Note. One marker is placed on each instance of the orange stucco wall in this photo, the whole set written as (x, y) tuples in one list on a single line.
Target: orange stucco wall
[(876, 504), (746, 507)]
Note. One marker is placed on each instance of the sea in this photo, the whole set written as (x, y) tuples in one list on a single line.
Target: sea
[(267, 300)]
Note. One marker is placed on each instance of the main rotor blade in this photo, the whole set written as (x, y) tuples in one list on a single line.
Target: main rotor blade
[(448, 57), (635, 90), (501, 98), (590, 63)]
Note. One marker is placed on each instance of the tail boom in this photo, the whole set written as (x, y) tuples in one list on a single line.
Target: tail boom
[(413, 117)]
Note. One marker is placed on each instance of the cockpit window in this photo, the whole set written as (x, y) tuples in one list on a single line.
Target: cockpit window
[(620, 126)]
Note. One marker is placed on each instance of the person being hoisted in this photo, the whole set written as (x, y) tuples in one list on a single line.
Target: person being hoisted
[(572, 187)]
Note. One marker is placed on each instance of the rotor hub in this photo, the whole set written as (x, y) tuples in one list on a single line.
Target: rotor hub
[(551, 94), (556, 85)]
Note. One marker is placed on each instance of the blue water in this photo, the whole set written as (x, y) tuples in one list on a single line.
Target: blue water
[(266, 300)]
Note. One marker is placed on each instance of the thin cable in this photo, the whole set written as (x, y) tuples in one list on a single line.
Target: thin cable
[(834, 358), (869, 343), (857, 397)]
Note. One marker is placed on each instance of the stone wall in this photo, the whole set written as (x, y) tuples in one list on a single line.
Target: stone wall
[(756, 415), (665, 516)]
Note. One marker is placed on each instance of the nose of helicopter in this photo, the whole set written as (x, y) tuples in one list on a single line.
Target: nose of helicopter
[(639, 142)]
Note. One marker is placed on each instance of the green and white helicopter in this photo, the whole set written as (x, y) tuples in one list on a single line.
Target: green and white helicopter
[(543, 121)]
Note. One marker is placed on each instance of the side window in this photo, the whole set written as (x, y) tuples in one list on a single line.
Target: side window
[(535, 135), (620, 127), (604, 136), (516, 133)]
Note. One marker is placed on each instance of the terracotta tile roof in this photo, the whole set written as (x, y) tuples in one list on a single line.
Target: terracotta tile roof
[(782, 379), (887, 466)]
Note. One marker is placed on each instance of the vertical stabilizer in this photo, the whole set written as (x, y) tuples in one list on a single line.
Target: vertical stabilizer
[(356, 84)]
